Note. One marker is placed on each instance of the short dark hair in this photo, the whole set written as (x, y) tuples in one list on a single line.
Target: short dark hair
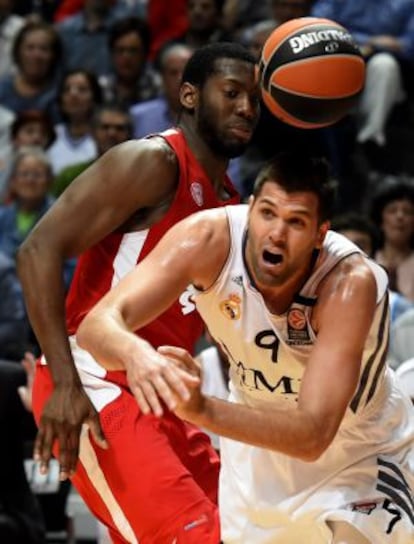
[(202, 64), (127, 25), (93, 83), (112, 107), (400, 190), (299, 171), (26, 117), (358, 222), (56, 43)]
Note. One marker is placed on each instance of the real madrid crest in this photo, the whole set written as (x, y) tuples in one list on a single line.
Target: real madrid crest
[(231, 307)]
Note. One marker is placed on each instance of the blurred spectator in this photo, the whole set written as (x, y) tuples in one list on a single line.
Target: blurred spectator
[(36, 10), (240, 14), (405, 373), (204, 23), (393, 213), (361, 230), (89, 30), (20, 516), (167, 21), (30, 182), (14, 325), (67, 8), (402, 339), (37, 55), (78, 95), (10, 24), (111, 126), (285, 10), (30, 128), (161, 113), (6, 119), (384, 30), (132, 79), (254, 36)]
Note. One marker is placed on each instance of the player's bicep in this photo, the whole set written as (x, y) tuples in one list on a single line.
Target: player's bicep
[(127, 178), (333, 370), (187, 254)]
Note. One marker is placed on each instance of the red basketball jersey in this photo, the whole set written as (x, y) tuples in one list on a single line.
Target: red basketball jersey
[(103, 265)]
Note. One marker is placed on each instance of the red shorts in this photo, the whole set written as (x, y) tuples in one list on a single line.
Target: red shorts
[(156, 484)]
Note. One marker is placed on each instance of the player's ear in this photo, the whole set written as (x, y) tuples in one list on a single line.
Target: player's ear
[(323, 229), (188, 96)]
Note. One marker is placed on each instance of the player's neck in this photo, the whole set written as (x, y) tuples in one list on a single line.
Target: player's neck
[(214, 166)]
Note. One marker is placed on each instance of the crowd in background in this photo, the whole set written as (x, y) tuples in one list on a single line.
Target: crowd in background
[(80, 76)]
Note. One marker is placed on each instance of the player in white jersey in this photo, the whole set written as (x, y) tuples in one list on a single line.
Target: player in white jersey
[(319, 440)]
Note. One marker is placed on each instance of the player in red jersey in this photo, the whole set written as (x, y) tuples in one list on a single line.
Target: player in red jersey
[(149, 479)]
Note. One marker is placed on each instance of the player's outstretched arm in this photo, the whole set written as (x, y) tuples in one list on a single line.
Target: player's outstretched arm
[(192, 252), (97, 202), (346, 307)]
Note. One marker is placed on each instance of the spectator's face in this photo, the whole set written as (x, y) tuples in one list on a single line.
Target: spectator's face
[(36, 55), (77, 97), (31, 179), (31, 134), (202, 15), (113, 128), (6, 7), (359, 238), (172, 71), (128, 56), (398, 222), (257, 41), (284, 10)]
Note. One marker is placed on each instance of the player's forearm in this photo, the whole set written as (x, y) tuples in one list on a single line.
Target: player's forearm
[(41, 274), (293, 432), (104, 335)]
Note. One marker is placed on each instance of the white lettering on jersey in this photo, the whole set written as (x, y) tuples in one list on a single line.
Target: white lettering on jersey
[(186, 301)]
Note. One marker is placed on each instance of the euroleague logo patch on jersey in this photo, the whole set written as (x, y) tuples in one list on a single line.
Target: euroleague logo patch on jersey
[(231, 307), (297, 327), (196, 190)]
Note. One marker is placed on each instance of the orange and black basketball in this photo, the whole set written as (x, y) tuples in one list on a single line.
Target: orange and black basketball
[(311, 72)]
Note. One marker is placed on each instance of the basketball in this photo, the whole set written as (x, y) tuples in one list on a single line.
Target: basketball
[(311, 72)]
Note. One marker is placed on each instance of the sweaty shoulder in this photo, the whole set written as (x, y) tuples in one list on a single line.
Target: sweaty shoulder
[(352, 278), (150, 162), (204, 240)]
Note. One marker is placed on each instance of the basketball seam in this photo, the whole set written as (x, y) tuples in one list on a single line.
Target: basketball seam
[(306, 61)]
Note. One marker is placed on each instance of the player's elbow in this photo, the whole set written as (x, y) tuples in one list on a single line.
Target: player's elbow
[(84, 334), (316, 443), (26, 255)]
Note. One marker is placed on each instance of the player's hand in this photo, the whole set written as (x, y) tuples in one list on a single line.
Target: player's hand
[(67, 409), (155, 380), (188, 409)]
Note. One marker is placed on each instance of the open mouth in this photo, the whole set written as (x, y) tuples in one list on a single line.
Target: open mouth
[(272, 258)]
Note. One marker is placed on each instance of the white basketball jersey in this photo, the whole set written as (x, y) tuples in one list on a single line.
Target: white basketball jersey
[(261, 490)]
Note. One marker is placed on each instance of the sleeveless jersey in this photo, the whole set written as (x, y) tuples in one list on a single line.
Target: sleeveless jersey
[(103, 265), (261, 489)]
